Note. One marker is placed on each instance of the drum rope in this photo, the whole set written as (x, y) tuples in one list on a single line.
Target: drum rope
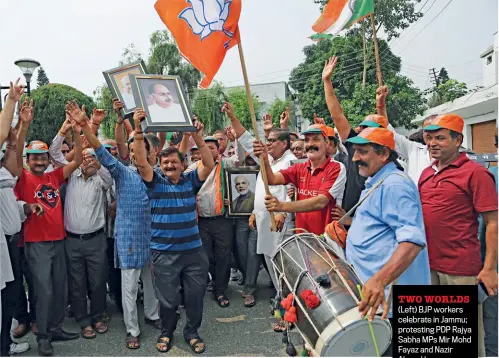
[(370, 327)]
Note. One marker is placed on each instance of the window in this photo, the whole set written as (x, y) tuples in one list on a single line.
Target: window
[(489, 60)]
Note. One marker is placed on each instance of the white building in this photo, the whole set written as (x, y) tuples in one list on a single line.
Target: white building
[(478, 109)]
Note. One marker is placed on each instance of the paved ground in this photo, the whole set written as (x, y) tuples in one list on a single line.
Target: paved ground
[(232, 331)]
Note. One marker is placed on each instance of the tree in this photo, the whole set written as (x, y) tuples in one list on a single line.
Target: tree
[(393, 15), (130, 54), (42, 78), (104, 100), (237, 97), (276, 108), (443, 76), (306, 80), (207, 105), (50, 108), (165, 58), (447, 91)]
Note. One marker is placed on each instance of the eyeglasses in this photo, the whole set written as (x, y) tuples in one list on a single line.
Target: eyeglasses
[(271, 140)]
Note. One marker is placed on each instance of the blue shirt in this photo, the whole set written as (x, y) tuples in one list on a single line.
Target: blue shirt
[(173, 208), (390, 215), (132, 230)]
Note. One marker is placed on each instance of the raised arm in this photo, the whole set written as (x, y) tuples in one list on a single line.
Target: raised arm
[(273, 178), (284, 119), (55, 148), (96, 119), (184, 144), (333, 105), (139, 147), (69, 168), (10, 159), (25, 118), (207, 162), (119, 136), (7, 114)]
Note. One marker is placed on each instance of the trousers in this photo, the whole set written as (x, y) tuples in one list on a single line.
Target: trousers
[(88, 271), (26, 309), (171, 271), (249, 260), (47, 263), (129, 289), (9, 299)]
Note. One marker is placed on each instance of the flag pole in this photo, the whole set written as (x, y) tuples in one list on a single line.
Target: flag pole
[(255, 128), (376, 52)]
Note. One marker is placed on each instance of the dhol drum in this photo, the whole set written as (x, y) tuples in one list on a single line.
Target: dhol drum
[(334, 328)]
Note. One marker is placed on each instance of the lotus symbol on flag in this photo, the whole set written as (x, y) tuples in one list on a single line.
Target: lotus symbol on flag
[(207, 16)]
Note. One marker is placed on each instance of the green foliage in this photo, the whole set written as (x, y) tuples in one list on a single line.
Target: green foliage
[(447, 91), (164, 59), (207, 105), (42, 78), (403, 103), (237, 97), (276, 108), (130, 54), (50, 108), (443, 76), (393, 15), (104, 100)]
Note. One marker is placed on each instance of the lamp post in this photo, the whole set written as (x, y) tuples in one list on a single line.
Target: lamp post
[(27, 67)]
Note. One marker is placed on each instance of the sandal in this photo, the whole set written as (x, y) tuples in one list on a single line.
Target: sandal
[(132, 342), (222, 301), (279, 327), (163, 344), (249, 301), (88, 333), (197, 345), (100, 327)]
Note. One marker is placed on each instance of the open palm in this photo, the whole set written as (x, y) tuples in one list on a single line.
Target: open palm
[(328, 70)]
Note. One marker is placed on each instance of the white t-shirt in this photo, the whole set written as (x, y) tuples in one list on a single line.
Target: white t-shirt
[(172, 114)]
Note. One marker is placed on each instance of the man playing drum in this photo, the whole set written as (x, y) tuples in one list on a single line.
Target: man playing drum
[(386, 241)]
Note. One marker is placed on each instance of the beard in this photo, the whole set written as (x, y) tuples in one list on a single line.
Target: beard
[(243, 191)]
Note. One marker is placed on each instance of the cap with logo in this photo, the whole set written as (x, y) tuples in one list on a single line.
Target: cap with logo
[(37, 147), (375, 120), (379, 136), (447, 121)]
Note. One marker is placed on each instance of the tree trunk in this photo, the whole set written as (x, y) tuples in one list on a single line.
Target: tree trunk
[(364, 73)]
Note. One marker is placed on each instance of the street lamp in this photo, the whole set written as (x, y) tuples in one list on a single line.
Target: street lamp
[(27, 67)]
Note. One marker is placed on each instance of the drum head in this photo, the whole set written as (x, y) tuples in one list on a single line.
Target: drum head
[(355, 340)]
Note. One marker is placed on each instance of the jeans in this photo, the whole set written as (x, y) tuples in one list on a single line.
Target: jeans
[(250, 261)]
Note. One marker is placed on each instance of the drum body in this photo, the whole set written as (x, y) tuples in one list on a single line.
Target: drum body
[(334, 328)]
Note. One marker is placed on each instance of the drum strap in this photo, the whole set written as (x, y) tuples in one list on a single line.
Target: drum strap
[(367, 194)]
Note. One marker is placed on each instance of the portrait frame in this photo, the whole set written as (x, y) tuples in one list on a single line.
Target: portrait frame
[(175, 88), (293, 162), (230, 175), (115, 75)]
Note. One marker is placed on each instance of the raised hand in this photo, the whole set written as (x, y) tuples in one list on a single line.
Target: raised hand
[(267, 122), (76, 113), (284, 119), (117, 106), (318, 120), (16, 91), (381, 94), (230, 133), (228, 109), (328, 70), (138, 116), (98, 116), (199, 130), (259, 148), (26, 114)]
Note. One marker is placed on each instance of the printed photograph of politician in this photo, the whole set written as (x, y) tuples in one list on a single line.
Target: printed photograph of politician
[(118, 81), (164, 102), (241, 183)]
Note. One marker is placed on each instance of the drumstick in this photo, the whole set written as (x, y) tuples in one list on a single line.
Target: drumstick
[(370, 326)]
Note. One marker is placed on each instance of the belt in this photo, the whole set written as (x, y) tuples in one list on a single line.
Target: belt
[(85, 236), (212, 217)]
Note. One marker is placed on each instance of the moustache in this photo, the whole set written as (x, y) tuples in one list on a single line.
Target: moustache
[(312, 147), (362, 164)]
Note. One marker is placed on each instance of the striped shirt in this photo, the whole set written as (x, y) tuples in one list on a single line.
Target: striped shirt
[(132, 230), (173, 207)]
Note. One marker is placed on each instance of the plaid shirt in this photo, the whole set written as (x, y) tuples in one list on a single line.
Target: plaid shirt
[(132, 230)]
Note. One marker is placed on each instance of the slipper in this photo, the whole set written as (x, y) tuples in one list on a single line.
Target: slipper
[(163, 344), (197, 345), (249, 301), (100, 327), (132, 342), (88, 333), (221, 299)]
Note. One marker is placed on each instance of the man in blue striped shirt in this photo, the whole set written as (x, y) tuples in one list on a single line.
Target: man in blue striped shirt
[(177, 254)]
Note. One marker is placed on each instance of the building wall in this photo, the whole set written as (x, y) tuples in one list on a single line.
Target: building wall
[(489, 65), (483, 137)]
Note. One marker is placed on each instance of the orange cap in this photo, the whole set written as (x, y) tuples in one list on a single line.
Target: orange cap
[(317, 129), (448, 121), (330, 132), (375, 120), (37, 147), (379, 136)]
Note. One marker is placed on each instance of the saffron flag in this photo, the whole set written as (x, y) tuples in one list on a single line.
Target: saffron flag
[(203, 29), (340, 14)]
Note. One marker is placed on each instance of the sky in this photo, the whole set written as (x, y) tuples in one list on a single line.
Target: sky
[(76, 40)]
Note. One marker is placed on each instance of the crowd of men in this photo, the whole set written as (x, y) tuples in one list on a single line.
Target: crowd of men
[(82, 218)]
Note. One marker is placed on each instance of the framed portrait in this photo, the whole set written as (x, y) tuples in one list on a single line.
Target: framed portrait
[(241, 184), (164, 101), (118, 81), (293, 162)]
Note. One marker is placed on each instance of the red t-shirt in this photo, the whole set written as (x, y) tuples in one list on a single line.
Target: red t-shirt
[(452, 199), (310, 184), (43, 190)]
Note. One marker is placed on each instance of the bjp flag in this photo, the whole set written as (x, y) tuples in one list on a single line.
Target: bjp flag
[(203, 29)]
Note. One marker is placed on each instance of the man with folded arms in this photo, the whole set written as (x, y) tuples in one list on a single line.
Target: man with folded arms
[(454, 192)]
